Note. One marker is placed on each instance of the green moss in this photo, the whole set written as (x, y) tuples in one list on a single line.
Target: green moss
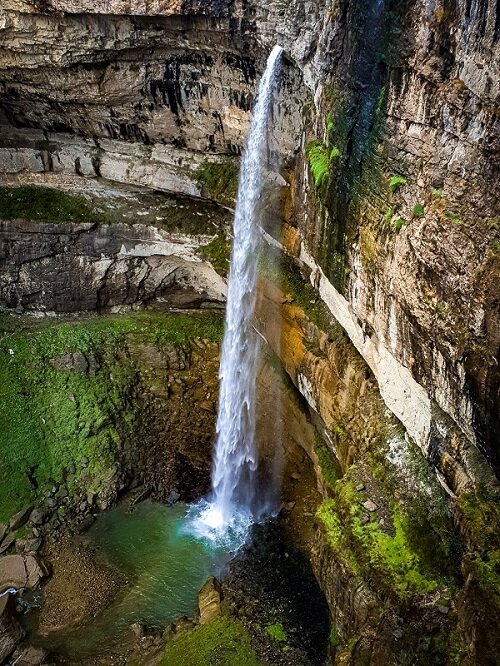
[(283, 271), (223, 642), (481, 514), (454, 219), (218, 252), (486, 568), (48, 205), (277, 632), (329, 466), (218, 180), (396, 181), (334, 637), (385, 557), (52, 418)]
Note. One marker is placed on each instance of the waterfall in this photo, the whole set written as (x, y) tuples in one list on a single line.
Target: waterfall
[(234, 503)]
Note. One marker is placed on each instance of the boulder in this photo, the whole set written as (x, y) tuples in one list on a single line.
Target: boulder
[(37, 517), (11, 632), (20, 518), (20, 571), (138, 629), (32, 545), (35, 570), (29, 656), (209, 600), (370, 506)]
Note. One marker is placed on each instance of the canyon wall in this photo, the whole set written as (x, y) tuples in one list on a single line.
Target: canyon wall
[(386, 126)]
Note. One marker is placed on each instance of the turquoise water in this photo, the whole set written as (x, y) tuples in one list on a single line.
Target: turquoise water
[(164, 564)]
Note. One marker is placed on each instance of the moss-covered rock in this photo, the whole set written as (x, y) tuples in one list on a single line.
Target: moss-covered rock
[(218, 180), (222, 642), (218, 253), (69, 397), (46, 204)]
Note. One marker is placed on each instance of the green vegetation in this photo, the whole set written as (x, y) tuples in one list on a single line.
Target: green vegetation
[(46, 204), (329, 467), (389, 214), (283, 271), (334, 638), (321, 159), (454, 219), (277, 632), (396, 181), (218, 253), (418, 210), (222, 642), (437, 193), (319, 162), (219, 180), (383, 555), (398, 224), (55, 410)]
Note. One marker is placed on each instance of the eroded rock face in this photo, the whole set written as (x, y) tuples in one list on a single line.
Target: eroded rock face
[(147, 94), (74, 268), (209, 600), (137, 99)]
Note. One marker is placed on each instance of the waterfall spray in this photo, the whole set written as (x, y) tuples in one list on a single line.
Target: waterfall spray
[(233, 504)]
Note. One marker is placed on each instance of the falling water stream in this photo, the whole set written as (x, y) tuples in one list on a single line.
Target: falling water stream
[(166, 552), (234, 503)]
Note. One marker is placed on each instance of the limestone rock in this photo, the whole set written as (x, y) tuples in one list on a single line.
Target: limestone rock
[(370, 506), (209, 600), (7, 543)]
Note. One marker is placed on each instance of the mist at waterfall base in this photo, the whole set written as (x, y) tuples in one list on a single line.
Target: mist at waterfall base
[(236, 500)]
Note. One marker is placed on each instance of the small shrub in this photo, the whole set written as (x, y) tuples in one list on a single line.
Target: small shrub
[(396, 181), (418, 210), (437, 193)]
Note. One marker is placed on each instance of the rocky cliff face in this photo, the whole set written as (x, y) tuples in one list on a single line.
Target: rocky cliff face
[(387, 129)]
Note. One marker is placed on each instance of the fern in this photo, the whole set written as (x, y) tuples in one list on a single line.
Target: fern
[(318, 161), (396, 181)]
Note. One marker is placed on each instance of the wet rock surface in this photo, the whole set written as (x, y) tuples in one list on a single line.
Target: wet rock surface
[(11, 632), (270, 583)]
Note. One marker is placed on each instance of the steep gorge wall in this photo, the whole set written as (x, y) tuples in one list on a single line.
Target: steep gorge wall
[(399, 238)]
